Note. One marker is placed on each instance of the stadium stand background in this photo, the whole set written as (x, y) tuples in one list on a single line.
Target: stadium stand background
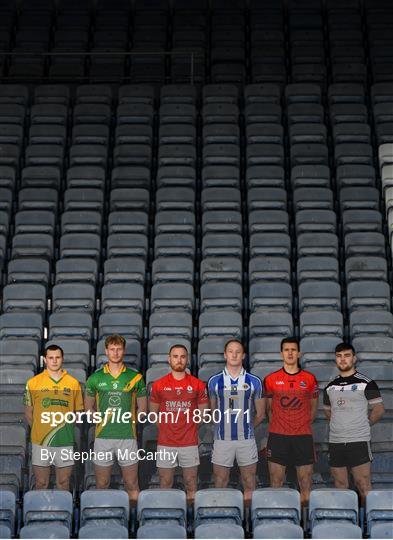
[(256, 203)]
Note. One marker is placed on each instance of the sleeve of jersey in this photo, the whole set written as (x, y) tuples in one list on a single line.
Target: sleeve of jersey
[(141, 388), (314, 387), (78, 398), (258, 391), (266, 390), (372, 393), (27, 400), (202, 393), (154, 394), (211, 388), (326, 399), (90, 387)]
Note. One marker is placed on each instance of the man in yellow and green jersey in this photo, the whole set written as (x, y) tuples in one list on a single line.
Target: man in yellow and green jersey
[(53, 391), (113, 390)]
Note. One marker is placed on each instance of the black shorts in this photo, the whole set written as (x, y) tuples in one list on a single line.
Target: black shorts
[(290, 450), (349, 454)]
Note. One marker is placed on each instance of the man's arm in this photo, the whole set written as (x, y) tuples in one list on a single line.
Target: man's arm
[(314, 408), (268, 408), (90, 403), (377, 411), (141, 404), (29, 414), (260, 407), (328, 412)]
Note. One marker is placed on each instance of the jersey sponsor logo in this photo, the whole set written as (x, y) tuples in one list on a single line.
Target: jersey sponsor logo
[(340, 402), (114, 401), (174, 405), (291, 402), (47, 402)]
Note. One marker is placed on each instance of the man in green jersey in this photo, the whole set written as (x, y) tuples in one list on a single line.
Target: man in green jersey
[(118, 393)]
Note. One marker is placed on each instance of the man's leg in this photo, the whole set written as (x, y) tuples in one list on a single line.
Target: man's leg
[(248, 475), (63, 475), (362, 478), (42, 476), (130, 477), (166, 476), (190, 477), (221, 475), (304, 478), (340, 477), (276, 473), (103, 476)]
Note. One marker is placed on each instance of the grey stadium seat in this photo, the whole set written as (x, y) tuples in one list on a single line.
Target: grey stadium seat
[(333, 504), (219, 530), (70, 325), (122, 296), (110, 506), (315, 268), (172, 296), (128, 222), (80, 245), (371, 322), (24, 297), (278, 505), (362, 268), (318, 348), (220, 505), (124, 269), (271, 323), (166, 505), (158, 348), (278, 530), (336, 529), (73, 296), (99, 530), (220, 323), (328, 322), (228, 295), (172, 269), (269, 269), (169, 323), (44, 530), (71, 270), (314, 295), (48, 506), (21, 325), (127, 245), (368, 295), (270, 296), (161, 530), (376, 349)]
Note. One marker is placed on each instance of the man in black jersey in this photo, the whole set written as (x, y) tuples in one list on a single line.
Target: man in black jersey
[(346, 402)]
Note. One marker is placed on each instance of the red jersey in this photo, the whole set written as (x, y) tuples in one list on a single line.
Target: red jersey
[(291, 396), (178, 397)]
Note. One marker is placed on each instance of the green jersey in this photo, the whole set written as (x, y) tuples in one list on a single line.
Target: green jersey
[(118, 394)]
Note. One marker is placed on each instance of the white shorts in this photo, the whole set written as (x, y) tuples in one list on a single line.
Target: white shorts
[(107, 451), (225, 452), (169, 457), (45, 456)]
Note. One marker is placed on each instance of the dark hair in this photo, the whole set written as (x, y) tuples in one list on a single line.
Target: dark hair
[(115, 339), (343, 346), (234, 340), (53, 347), (178, 346), (290, 339)]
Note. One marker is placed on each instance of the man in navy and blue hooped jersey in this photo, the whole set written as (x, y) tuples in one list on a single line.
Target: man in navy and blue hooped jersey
[(237, 407)]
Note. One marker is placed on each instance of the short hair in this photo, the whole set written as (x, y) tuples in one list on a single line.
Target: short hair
[(290, 339), (178, 346), (53, 347), (234, 340), (343, 346), (115, 339)]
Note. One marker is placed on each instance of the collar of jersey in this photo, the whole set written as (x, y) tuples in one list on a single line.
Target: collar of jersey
[(107, 370), (46, 373), (291, 374), (226, 372)]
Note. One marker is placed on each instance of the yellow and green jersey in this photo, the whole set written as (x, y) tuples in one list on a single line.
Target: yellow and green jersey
[(47, 395), (118, 394)]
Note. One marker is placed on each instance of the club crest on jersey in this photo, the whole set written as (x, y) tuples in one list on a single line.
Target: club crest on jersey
[(246, 386), (303, 384), (354, 387), (189, 389)]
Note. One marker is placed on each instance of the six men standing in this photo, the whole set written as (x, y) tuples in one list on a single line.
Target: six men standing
[(238, 403)]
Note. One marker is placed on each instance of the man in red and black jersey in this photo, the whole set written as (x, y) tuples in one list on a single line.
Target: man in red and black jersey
[(292, 402)]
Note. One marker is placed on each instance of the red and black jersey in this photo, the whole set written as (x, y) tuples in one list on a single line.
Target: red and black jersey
[(291, 396)]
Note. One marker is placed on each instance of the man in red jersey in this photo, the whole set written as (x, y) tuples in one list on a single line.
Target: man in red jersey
[(185, 398), (292, 402)]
